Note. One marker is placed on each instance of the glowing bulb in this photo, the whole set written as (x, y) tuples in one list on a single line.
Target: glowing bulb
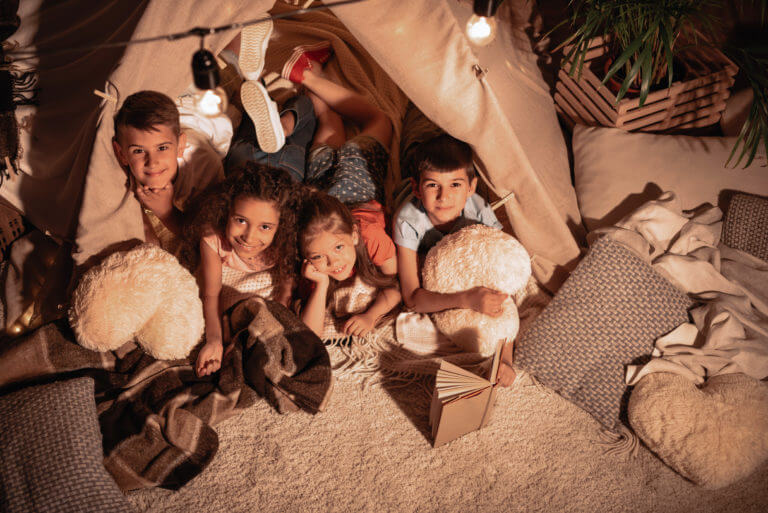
[(211, 102), (210, 99), (481, 30)]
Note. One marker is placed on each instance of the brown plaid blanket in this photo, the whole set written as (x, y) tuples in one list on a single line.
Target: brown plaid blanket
[(156, 416)]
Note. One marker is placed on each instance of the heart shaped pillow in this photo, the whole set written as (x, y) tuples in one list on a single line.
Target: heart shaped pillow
[(713, 435)]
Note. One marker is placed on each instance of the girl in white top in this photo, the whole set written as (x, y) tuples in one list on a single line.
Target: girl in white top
[(247, 245)]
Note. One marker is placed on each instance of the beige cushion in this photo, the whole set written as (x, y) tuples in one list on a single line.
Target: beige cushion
[(714, 435), (617, 171)]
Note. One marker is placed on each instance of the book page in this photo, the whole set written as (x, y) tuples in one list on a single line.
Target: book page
[(449, 370), (453, 381), (496, 361)]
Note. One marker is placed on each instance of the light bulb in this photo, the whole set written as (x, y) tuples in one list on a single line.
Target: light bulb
[(210, 99), (211, 102), (481, 30)]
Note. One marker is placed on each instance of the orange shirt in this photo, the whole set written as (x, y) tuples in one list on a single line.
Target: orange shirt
[(373, 231)]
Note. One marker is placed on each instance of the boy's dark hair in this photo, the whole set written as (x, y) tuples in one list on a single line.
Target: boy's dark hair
[(441, 153), (145, 110)]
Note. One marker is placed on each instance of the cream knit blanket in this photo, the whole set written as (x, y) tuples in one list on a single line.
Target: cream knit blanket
[(729, 332)]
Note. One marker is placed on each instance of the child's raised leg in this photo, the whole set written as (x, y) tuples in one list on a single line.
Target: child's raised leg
[(249, 47), (350, 105)]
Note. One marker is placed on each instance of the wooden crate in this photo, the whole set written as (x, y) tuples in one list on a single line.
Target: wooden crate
[(698, 101)]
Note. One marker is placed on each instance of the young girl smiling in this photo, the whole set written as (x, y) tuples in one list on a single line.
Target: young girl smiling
[(247, 246), (336, 257)]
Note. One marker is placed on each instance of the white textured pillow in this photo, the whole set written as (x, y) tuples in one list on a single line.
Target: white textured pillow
[(474, 256), (144, 294), (713, 435), (617, 171)]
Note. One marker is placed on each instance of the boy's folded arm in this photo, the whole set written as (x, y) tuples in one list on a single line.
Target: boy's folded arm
[(417, 298), (426, 301)]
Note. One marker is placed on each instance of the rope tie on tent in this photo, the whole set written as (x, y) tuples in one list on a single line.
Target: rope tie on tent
[(480, 74), (106, 96), (503, 197)]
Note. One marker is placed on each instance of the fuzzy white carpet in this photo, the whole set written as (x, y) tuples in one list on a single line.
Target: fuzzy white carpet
[(369, 451)]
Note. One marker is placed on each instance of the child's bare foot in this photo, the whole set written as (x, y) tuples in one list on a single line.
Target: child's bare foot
[(506, 375)]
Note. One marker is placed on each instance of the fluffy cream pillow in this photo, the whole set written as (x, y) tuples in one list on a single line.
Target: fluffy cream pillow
[(475, 256), (617, 171), (144, 294), (713, 436)]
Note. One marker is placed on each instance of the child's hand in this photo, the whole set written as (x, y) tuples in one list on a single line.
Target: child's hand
[(486, 301), (209, 359), (359, 325), (311, 273), (159, 199)]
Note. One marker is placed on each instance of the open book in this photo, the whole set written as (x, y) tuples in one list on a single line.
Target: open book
[(462, 401)]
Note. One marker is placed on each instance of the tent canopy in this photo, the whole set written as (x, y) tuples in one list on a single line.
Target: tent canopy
[(493, 97)]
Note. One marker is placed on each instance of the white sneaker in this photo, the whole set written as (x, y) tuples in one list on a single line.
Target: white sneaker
[(254, 40), (264, 114)]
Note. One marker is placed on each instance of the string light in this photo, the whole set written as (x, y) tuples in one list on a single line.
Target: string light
[(210, 99), (21, 54), (481, 27)]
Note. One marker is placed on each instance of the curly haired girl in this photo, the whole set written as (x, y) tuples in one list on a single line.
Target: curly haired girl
[(245, 228), (336, 257)]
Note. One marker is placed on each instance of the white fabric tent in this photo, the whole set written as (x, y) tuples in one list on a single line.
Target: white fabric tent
[(506, 114)]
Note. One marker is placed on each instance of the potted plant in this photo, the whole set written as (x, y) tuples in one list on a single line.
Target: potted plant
[(645, 37)]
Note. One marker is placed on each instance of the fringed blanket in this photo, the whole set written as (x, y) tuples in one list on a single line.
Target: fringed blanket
[(729, 329), (156, 416), (409, 348)]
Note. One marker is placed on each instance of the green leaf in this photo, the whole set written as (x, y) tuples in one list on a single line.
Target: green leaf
[(645, 85), (623, 58), (629, 79), (666, 38)]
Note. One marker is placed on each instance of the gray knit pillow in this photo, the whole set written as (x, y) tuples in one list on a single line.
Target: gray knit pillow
[(605, 316), (746, 224), (50, 448)]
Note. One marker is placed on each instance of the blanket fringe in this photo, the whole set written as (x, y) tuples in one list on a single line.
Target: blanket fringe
[(370, 361), (622, 441)]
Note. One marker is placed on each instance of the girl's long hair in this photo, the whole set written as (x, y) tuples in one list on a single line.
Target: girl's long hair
[(321, 212), (212, 210)]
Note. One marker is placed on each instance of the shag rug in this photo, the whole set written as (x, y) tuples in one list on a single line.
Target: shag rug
[(370, 451)]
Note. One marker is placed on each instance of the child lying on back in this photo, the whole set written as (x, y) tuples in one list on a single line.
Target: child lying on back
[(443, 182), (247, 246)]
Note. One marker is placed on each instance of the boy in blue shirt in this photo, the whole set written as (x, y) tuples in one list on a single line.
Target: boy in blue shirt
[(443, 181)]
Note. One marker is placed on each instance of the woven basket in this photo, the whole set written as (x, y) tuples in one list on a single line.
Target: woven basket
[(695, 102)]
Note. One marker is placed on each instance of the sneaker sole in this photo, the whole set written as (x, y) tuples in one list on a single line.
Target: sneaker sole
[(254, 40), (297, 53), (263, 112)]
